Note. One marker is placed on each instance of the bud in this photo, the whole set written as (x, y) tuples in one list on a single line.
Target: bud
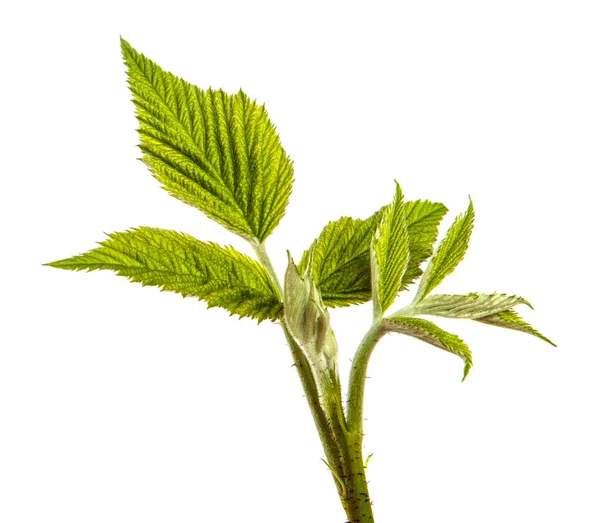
[(308, 321)]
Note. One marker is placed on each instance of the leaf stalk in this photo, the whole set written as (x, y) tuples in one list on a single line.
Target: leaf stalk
[(358, 377)]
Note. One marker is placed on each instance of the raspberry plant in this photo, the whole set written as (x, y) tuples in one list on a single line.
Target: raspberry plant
[(220, 153)]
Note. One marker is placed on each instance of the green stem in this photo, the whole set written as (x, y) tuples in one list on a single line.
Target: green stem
[(358, 377), (312, 396), (263, 257), (355, 494), (342, 445), (307, 378), (357, 503)]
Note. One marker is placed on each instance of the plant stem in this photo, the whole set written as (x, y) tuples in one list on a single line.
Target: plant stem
[(358, 376), (312, 396), (355, 496), (342, 444), (307, 378), (358, 504)]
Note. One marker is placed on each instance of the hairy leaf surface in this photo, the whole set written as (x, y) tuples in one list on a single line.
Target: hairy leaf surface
[(471, 306), (308, 321), (430, 333), (340, 255), (177, 262), (449, 253), (389, 254), (422, 221), (215, 151), (340, 260), (509, 319)]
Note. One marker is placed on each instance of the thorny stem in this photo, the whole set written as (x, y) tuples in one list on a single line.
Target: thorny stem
[(312, 396), (358, 377), (307, 379), (355, 494), (341, 438)]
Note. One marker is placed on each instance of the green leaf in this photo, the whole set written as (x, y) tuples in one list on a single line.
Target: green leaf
[(430, 333), (389, 254), (509, 319), (340, 256), (179, 263), (471, 306), (215, 151), (449, 253), (422, 221)]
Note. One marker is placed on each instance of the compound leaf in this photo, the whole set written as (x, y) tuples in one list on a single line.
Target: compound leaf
[(340, 257), (217, 152), (177, 262), (449, 253), (470, 306), (509, 319), (430, 333)]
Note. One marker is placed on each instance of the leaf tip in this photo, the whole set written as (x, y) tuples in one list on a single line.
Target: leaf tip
[(466, 370), (125, 46), (399, 193), (58, 264), (289, 258)]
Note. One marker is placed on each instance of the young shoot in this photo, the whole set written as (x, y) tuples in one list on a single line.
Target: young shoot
[(220, 153)]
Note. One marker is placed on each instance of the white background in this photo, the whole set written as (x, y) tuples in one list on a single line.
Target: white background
[(122, 404)]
